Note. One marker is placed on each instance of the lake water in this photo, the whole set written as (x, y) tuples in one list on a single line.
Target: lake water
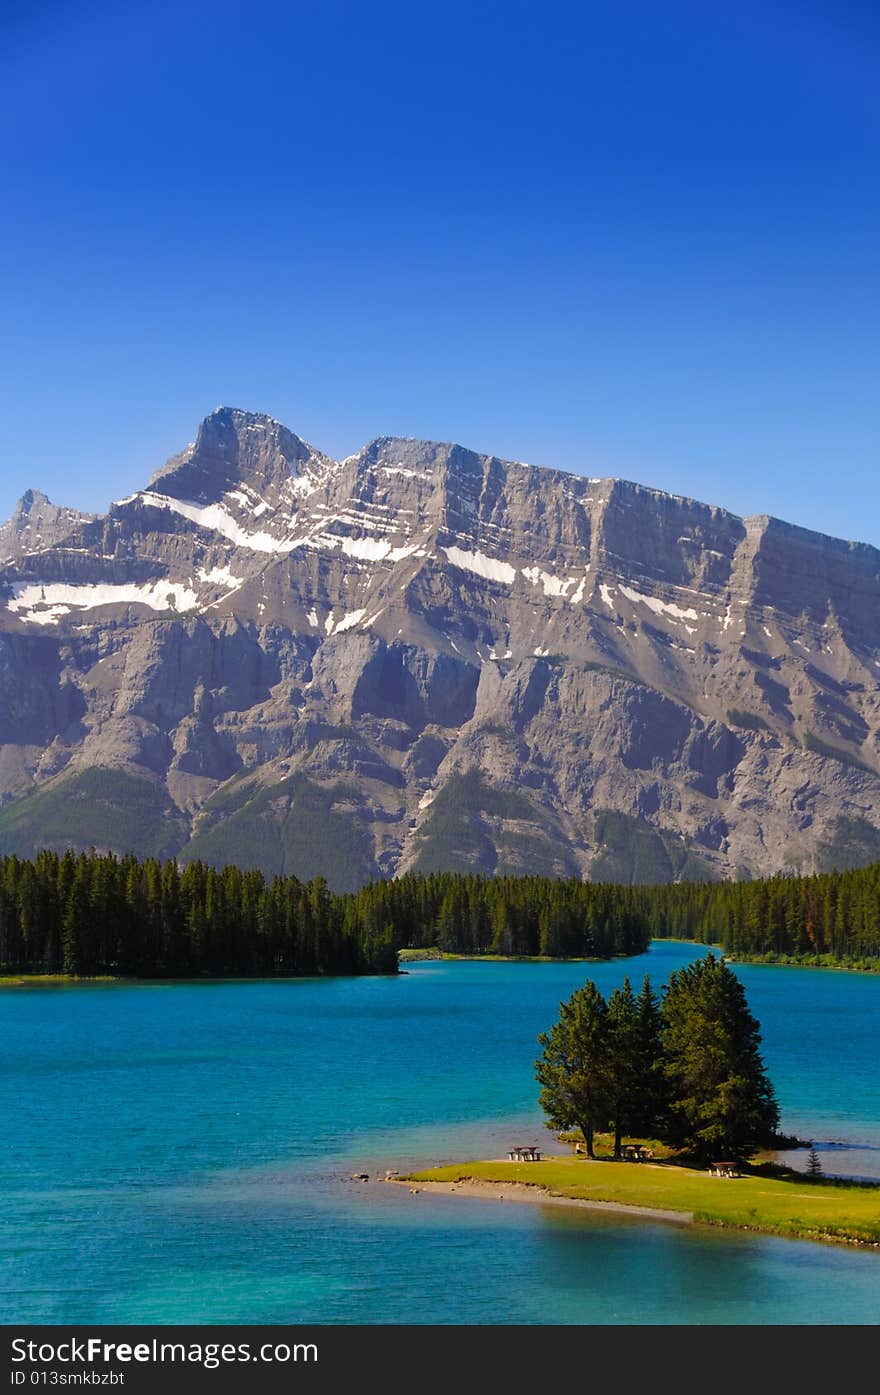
[(182, 1153)]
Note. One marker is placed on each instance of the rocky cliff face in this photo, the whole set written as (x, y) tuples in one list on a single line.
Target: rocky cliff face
[(421, 657), (36, 525)]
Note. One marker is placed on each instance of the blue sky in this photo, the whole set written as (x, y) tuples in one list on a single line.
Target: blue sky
[(637, 240)]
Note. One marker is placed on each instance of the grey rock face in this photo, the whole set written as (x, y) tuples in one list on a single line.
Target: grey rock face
[(422, 657), (37, 524)]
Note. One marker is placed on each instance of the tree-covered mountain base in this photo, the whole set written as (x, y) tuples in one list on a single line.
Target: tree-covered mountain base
[(95, 915)]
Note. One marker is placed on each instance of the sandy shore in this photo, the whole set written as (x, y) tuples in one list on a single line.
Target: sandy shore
[(539, 1196)]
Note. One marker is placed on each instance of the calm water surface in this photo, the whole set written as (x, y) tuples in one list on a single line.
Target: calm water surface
[(181, 1152)]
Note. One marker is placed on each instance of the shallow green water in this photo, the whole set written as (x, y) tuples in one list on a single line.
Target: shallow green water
[(182, 1152)]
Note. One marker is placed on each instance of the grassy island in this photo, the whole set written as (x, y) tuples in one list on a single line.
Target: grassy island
[(650, 1090), (780, 1205)]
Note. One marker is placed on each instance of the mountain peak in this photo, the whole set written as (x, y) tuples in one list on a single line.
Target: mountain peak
[(234, 447), (30, 499), (226, 409), (36, 524)]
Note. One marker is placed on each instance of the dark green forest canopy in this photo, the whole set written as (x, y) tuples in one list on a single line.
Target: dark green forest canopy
[(834, 915), (96, 914)]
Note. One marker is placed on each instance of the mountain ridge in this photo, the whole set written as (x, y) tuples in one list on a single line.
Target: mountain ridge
[(582, 674), (266, 419)]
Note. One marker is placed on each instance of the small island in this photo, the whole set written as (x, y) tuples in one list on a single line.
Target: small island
[(790, 1205), (667, 1105)]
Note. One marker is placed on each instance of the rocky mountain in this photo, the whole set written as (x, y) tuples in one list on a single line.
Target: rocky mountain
[(37, 524), (423, 657)]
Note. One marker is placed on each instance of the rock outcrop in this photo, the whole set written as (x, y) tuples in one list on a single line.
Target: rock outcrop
[(37, 524)]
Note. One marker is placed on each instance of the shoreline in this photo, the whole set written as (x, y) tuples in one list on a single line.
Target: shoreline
[(444, 956), (757, 961), (789, 1208), (22, 979), (431, 955), (534, 1195), (50, 980)]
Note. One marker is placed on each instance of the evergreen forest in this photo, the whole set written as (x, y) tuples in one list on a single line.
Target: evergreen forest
[(828, 918), (95, 914)]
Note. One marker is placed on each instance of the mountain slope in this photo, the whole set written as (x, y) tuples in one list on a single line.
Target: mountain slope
[(425, 657)]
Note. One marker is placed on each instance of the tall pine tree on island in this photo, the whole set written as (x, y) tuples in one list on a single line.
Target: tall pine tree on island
[(721, 1101), (649, 1108), (575, 1071), (622, 1025)]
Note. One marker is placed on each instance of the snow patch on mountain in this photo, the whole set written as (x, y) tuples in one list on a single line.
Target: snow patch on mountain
[(348, 621), (659, 607), (403, 472), (219, 576), (553, 585), (216, 519), (490, 568), (42, 604)]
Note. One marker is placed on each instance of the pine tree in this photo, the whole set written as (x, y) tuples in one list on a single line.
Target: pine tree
[(650, 1103), (622, 1026), (75, 925), (573, 1072), (814, 1164), (721, 1100)]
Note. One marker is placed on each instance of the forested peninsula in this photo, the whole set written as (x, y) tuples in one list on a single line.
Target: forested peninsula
[(829, 919), (95, 915)]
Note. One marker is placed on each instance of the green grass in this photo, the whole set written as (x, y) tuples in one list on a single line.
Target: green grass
[(415, 956), (291, 828), (848, 963), (808, 1210), (39, 980), (603, 1144), (233, 794), (97, 808), (453, 837), (633, 853)]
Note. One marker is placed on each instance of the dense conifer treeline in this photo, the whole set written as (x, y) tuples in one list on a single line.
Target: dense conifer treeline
[(98, 914), (836, 914)]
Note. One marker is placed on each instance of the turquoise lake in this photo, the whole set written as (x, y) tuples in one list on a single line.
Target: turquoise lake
[(182, 1153)]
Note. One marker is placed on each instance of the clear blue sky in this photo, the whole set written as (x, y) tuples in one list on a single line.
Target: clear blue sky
[(638, 239)]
